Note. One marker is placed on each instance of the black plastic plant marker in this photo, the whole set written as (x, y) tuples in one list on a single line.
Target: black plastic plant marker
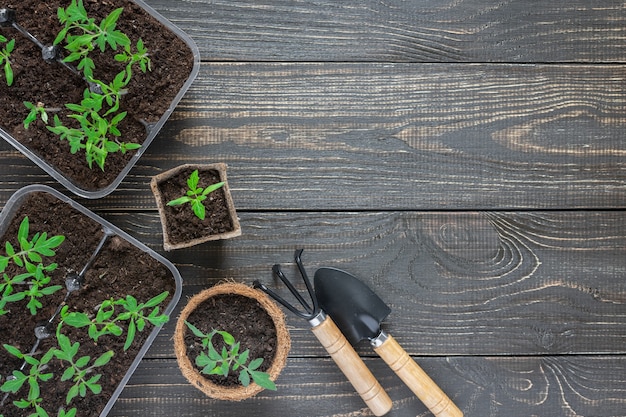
[(332, 339)]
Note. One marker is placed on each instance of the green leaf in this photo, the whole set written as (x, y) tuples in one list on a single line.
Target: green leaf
[(9, 249), (13, 351), (213, 354), (70, 413), (212, 188), (8, 73), (77, 320), (224, 369), (195, 330), (103, 359), (82, 361), (198, 209), (263, 379), (254, 364), (109, 22), (193, 180), (50, 290), (71, 394), (68, 374), (244, 378), (14, 385), (4, 262), (179, 201), (228, 338), (22, 233), (95, 388), (130, 335), (243, 358), (155, 301), (15, 297)]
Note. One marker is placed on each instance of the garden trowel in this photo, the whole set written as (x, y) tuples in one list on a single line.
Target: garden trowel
[(358, 312)]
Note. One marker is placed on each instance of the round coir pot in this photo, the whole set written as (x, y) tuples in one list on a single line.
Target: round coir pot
[(207, 303)]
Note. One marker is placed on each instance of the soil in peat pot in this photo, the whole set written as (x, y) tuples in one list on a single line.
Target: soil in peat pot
[(148, 98), (120, 269), (245, 319), (181, 222)]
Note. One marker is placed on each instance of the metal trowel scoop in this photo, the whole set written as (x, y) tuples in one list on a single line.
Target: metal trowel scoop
[(358, 312)]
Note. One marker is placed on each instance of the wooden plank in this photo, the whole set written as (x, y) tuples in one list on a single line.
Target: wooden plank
[(393, 136), (458, 283), (403, 31), (480, 386)]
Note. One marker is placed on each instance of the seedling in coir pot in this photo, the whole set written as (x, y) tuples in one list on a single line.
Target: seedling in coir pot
[(97, 117), (196, 195), (111, 318), (229, 359)]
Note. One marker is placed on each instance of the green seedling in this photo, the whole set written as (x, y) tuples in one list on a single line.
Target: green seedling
[(78, 370), (107, 320), (36, 110), (229, 359), (29, 259), (35, 375), (196, 195), (98, 114), (82, 35), (5, 54), (97, 134)]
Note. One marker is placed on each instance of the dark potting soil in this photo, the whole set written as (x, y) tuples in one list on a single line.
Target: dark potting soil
[(245, 319), (120, 269), (148, 98), (181, 222)]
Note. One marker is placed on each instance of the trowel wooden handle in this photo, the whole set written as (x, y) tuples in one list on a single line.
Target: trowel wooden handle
[(416, 379), (352, 366)]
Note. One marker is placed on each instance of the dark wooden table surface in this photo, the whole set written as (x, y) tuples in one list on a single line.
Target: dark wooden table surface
[(467, 159)]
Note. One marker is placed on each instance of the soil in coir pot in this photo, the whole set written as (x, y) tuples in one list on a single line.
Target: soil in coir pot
[(118, 270), (240, 316), (148, 98), (181, 222)]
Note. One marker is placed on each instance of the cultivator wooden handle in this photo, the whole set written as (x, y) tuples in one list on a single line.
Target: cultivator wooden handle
[(352, 366), (416, 379)]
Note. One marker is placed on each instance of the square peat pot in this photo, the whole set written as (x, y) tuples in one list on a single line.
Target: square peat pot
[(181, 227), (150, 99), (96, 262)]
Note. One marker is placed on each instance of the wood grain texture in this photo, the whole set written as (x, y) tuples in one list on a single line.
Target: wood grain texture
[(458, 283), (465, 158), (403, 31), (392, 137), (481, 386)]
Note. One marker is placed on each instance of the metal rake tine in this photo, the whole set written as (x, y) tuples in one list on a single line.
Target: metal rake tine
[(298, 258), (258, 284), (279, 273)]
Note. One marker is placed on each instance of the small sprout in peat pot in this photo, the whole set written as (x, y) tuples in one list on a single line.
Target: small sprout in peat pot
[(230, 359), (195, 195), (5, 54)]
